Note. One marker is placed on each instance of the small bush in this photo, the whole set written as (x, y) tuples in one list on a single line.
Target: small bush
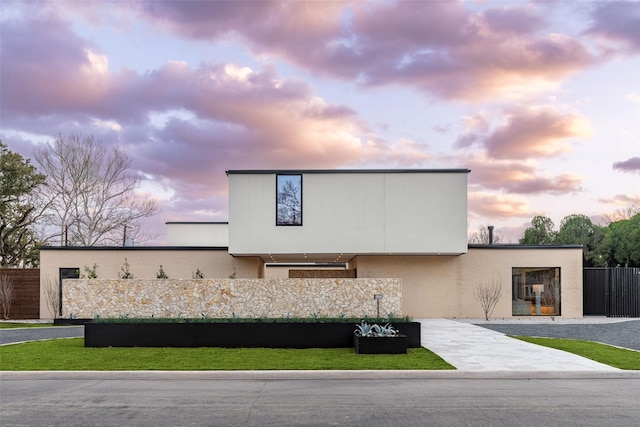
[(161, 274), (125, 272)]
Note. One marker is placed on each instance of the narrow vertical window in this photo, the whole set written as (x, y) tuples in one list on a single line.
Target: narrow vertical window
[(288, 199)]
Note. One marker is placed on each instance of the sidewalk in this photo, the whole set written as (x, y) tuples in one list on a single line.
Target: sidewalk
[(473, 348)]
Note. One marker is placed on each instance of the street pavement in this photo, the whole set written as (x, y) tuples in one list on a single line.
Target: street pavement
[(115, 399)]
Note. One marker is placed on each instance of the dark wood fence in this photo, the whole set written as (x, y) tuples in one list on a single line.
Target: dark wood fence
[(612, 292), (25, 303)]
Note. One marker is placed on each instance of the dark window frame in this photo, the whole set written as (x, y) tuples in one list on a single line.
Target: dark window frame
[(61, 277), (530, 296), (279, 221)]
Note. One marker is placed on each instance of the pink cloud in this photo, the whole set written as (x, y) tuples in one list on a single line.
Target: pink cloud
[(631, 165), (439, 47), (534, 132), (184, 126), (518, 177), (498, 206), (237, 115), (617, 21)]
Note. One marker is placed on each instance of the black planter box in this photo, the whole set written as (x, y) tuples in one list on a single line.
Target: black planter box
[(270, 335), (66, 322), (380, 345)]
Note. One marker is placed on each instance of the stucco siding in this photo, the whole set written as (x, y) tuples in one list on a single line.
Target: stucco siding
[(358, 213), (444, 286)]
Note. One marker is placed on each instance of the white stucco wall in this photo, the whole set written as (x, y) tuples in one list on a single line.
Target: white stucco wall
[(358, 212)]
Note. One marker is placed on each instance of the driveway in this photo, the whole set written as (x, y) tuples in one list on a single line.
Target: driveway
[(618, 332)]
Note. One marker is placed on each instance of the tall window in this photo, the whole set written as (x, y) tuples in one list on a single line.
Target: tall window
[(535, 291), (288, 199)]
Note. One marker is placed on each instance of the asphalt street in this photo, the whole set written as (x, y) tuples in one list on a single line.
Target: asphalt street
[(167, 399)]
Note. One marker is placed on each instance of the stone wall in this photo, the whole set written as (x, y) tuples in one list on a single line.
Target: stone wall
[(192, 298)]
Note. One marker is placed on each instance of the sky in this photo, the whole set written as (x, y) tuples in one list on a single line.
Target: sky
[(539, 99)]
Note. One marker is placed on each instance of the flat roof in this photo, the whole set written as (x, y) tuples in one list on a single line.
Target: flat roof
[(519, 246), (336, 171), (197, 222), (134, 248)]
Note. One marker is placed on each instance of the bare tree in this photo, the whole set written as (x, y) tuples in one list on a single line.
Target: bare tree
[(52, 297), (6, 294), (488, 295), (551, 298), (289, 204), (92, 192), (624, 213), (482, 236)]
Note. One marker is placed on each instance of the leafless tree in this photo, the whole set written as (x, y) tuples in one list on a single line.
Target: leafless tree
[(6, 294), (482, 236), (550, 296), (624, 213), (289, 204), (52, 297), (488, 294), (92, 193)]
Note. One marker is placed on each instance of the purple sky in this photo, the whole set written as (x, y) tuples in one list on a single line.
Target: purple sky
[(541, 100)]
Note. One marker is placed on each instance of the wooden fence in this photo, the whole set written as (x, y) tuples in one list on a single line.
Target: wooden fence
[(25, 301), (611, 292)]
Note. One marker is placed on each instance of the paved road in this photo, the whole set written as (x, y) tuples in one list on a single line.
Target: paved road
[(167, 399), (625, 333), (40, 333)]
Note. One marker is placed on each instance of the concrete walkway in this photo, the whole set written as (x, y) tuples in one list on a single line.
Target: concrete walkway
[(473, 348)]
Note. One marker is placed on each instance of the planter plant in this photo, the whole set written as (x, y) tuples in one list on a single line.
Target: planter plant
[(378, 339)]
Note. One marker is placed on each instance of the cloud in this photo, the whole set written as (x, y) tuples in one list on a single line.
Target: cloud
[(534, 132), (44, 78), (617, 21), (443, 48), (498, 206), (621, 200), (519, 177), (184, 126), (631, 165)]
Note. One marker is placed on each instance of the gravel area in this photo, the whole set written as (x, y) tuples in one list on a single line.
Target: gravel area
[(623, 333)]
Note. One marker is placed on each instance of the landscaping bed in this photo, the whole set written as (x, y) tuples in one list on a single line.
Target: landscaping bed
[(233, 334)]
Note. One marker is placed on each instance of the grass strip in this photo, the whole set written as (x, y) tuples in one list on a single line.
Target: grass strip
[(70, 354), (12, 325), (613, 356)]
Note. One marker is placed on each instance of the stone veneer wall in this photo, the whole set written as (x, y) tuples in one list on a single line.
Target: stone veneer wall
[(221, 298)]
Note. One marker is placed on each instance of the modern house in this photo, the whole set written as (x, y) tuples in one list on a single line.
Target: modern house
[(314, 235)]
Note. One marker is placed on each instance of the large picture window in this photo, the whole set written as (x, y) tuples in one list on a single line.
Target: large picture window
[(288, 199), (536, 291)]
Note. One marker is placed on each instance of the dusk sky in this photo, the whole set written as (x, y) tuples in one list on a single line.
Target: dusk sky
[(540, 99)]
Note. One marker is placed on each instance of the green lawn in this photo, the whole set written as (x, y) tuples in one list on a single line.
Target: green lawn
[(613, 356), (70, 354), (11, 325)]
